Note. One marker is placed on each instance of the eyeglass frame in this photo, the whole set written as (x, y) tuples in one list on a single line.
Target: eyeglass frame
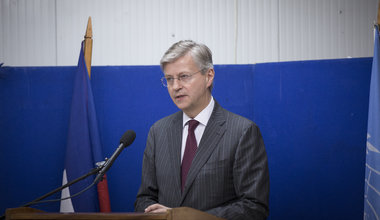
[(181, 77)]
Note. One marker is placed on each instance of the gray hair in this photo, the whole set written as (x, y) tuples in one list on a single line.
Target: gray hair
[(200, 53)]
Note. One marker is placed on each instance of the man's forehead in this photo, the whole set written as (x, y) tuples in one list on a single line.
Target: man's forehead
[(180, 66)]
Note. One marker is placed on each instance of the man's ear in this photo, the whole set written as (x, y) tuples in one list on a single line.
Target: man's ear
[(210, 77)]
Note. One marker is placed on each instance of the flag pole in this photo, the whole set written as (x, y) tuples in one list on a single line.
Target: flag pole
[(88, 46), (102, 186)]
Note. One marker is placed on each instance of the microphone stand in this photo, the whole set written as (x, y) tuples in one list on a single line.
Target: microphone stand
[(92, 172)]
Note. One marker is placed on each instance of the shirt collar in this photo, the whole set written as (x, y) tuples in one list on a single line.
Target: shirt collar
[(203, 116)]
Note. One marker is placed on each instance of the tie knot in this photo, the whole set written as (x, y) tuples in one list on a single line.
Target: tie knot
[(193, 124)]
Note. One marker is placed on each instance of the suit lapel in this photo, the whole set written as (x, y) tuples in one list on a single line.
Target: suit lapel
[(211, 136), (174, 134)]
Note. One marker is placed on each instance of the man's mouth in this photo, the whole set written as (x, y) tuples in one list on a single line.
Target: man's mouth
[(179, 96)]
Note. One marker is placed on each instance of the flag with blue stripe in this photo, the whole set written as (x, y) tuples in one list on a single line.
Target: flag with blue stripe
[(83, 144), (372, 175)]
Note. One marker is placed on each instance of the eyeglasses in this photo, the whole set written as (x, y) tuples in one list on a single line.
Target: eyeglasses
[(168, 81)]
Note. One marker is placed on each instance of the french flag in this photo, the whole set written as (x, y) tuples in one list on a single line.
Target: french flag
[(84, 149)]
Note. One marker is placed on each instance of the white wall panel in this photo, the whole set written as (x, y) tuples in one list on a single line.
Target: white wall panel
[(324, 29), (3, 15), (257, 31), (28, 32), (137, 32)]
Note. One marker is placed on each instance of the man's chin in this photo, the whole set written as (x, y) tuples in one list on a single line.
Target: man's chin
[(181, 106)]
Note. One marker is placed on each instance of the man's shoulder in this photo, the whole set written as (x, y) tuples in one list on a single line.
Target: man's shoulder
[(166, 121), (233, 118), (239, 120), (239, 124)]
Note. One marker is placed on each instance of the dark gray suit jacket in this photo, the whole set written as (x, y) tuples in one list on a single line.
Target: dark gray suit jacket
[(228, 177)]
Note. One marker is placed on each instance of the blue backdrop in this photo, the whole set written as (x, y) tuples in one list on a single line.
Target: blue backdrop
[(312, 114)]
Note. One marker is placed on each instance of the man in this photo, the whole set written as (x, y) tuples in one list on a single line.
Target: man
[(204, 156)]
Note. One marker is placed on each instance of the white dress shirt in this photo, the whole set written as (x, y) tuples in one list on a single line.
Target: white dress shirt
[(203, 118)]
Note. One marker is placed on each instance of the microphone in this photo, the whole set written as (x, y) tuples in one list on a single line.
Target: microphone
[(126, 140)]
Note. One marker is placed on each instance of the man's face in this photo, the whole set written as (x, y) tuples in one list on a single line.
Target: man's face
[(191, 96)]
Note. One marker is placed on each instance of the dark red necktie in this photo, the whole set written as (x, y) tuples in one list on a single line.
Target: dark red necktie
[(190, 150)]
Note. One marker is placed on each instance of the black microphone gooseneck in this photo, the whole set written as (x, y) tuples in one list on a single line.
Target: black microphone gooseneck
[(126, 140)]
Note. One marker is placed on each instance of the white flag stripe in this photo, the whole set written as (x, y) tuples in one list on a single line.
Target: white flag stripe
[(66, 205)]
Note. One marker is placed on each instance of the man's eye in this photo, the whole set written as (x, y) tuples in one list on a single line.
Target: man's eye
[(184, 77), (169, 79)]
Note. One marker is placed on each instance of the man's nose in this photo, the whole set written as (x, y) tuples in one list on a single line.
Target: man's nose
[(176, 84)]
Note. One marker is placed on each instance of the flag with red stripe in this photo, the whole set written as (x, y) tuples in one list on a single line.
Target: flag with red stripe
[(83, 149)]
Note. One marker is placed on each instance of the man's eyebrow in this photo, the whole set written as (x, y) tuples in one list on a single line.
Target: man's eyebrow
[(178, 74)]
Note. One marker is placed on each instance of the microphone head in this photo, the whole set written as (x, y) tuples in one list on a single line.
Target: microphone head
[(128, 138)]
